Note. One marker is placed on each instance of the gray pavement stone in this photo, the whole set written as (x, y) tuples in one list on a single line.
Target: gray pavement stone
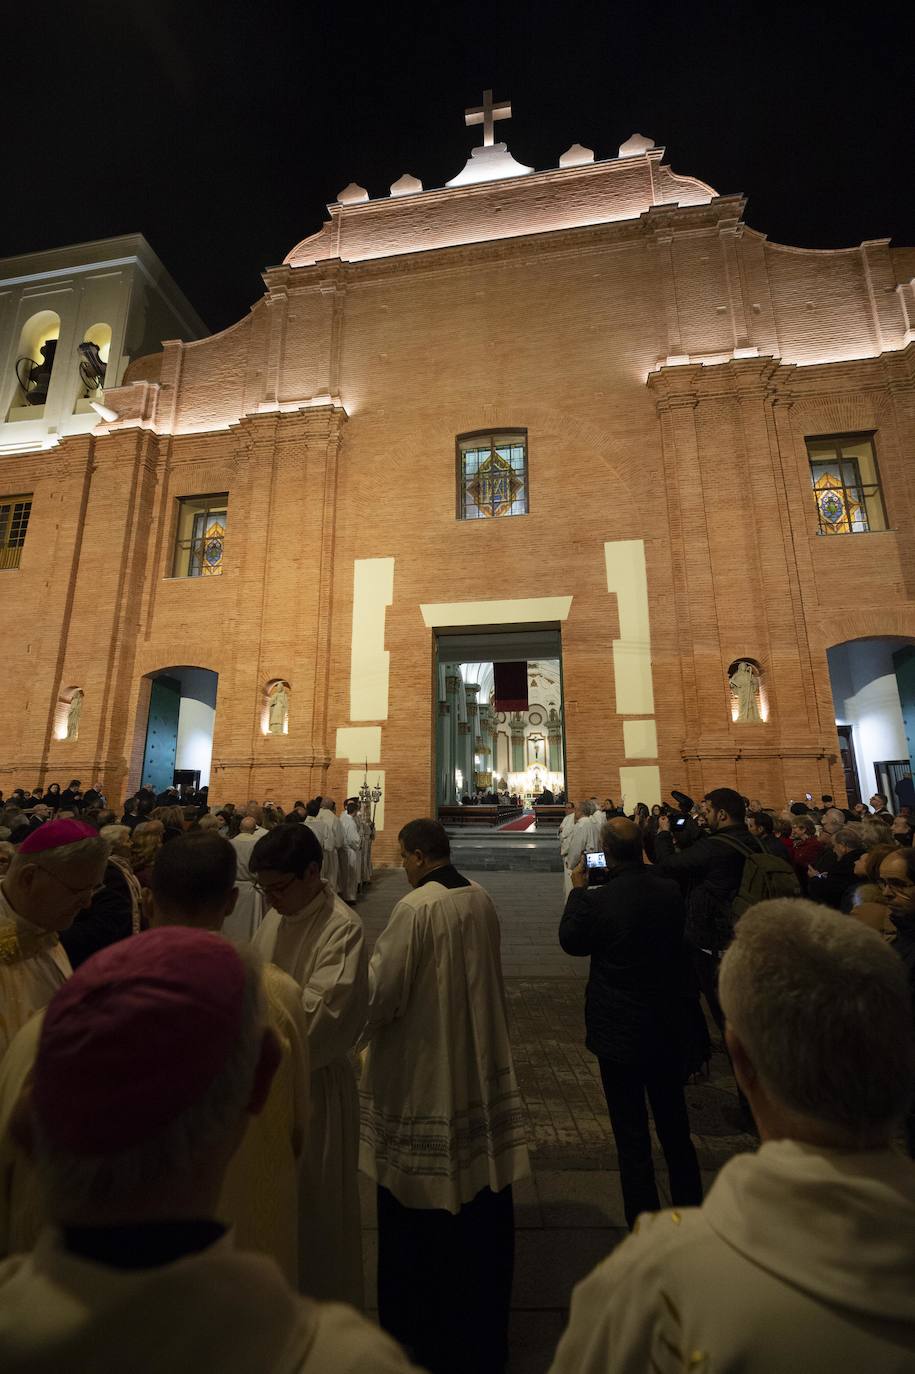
[(532, 1340), (586, 1198), (548, 1264)]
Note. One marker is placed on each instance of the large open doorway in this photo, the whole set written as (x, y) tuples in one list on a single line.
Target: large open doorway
[(500, 721), (179, 730), (873, 688)]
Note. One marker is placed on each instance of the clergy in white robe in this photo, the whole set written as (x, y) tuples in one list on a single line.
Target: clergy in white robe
[(315, 938), (135, 1272), (192, 884), (566, 826), (334, 842), (248, 913), (443, 1123), (581, 841), (351, 856), (212, 1309), (322, 824), (802, 1256), (50, 879)]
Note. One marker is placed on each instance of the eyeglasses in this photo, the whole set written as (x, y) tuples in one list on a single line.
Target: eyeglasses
[(89, 890), (276, 889)]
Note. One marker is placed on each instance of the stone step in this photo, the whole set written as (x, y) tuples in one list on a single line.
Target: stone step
[(506, 852)]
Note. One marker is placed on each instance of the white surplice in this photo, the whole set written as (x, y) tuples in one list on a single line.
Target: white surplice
[(565, 833), (323, 826), (217, 1310), (323, 948), (580, 841), (442, 1116), (351, 858), (33, 965), (241, 923), (799, 1259)]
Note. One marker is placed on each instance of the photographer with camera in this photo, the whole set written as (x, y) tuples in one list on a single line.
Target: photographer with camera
[(724, 872), (637, 1010)]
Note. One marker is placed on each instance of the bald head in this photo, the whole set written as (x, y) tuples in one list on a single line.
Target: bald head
[(622, 842), (248, 826)]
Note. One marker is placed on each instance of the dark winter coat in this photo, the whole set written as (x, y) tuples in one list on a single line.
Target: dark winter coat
[(632, 927), (830, 888), (107, 919), (711, 873)]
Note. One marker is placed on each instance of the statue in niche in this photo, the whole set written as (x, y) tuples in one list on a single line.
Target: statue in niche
[(278, 710), (74, 711), (744, 684)]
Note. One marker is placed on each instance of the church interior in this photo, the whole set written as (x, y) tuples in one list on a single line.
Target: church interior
[(500, 722)]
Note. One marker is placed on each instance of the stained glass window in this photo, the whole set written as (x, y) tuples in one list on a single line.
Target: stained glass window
[(14, 521), (200, 540), (846, 484), (492, 475)]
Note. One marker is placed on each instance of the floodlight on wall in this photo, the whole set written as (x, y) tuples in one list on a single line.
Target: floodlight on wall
[(105, 411)]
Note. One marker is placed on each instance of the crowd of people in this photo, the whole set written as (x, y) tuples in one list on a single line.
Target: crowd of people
[(149, 820), (198, 1057)]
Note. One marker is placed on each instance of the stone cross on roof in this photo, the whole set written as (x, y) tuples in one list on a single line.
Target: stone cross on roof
[(487, 114)]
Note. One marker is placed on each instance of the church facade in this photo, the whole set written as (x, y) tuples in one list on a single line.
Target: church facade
[(591, 401)]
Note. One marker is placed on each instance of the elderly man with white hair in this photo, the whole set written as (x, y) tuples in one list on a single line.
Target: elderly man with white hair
[(802, 1255)]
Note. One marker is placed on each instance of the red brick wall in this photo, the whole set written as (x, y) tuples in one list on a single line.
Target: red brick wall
[(561, 334)]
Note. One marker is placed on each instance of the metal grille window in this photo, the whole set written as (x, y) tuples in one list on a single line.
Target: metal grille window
[(200, 539), (14, 522), (846, 484), (492, 475)]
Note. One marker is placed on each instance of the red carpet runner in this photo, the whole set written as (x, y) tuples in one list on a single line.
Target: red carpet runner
[(520, 823)]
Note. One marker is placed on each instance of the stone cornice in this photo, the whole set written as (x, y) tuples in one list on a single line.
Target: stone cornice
[(748, 378), (672, 220)]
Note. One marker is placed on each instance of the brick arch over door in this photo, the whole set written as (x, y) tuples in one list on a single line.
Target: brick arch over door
[(872, 623), (143, 687)]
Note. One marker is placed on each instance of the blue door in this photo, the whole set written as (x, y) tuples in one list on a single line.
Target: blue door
[(162, 733)]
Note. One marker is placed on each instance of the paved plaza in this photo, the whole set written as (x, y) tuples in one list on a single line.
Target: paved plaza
[(569, 1214)]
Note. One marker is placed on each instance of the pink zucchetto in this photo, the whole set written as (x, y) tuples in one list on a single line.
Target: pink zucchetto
[(55, 834), (135, 1038)]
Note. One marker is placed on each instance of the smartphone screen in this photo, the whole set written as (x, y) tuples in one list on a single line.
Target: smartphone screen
[(596, 860)]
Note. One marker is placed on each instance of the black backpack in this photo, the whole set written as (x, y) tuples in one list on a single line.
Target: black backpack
[(764, 876)]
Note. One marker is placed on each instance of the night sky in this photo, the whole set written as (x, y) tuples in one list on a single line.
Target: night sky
[(221, 133)]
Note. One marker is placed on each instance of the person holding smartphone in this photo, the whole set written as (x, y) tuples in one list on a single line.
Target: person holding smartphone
[(637, 1011)]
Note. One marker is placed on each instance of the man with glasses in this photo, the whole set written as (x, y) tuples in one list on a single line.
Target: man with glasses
[(54, 875), (312, 935)]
